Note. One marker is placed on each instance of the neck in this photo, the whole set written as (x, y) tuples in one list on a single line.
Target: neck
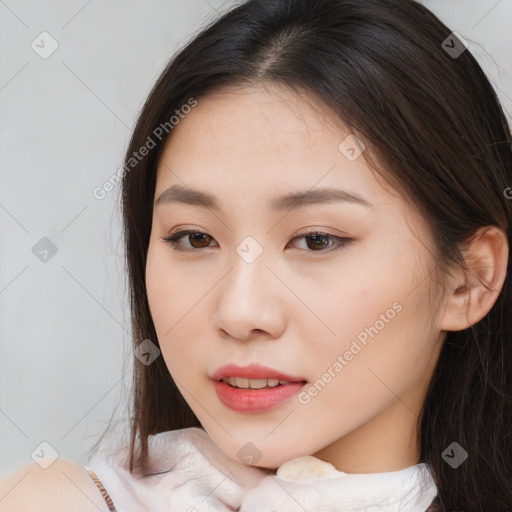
[(386, 443)]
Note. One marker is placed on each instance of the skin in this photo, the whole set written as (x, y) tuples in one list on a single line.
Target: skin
[(297, 307), (61, 487)]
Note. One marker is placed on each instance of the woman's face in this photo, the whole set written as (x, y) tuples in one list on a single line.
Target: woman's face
[(346, 311)]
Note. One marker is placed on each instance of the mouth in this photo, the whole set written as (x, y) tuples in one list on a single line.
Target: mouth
[(244, 383), (254, 388), (253, 401), (254, 376)]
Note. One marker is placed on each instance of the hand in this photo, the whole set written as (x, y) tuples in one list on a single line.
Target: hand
[(185, 472)]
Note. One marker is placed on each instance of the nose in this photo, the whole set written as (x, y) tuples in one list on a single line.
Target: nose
[(250, 301)]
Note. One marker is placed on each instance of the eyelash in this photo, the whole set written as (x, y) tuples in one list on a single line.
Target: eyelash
[(173, 239)]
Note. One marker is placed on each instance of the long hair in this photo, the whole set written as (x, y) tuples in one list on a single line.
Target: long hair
[(433, 127)]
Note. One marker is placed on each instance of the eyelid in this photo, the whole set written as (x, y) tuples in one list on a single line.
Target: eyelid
[(339, 241), (173, 238)]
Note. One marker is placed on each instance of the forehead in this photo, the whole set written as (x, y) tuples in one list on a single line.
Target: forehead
[(252, 147), (261, 134), (268, 114), (250, 144)]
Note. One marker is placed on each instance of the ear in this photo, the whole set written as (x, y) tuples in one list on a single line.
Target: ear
[(471, 295)]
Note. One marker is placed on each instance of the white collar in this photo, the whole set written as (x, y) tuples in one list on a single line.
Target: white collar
[(318, 485)]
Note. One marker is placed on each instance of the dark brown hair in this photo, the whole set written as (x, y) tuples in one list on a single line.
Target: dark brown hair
[(433, 128)]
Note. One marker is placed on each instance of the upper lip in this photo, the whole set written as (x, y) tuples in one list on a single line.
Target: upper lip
[(252, 371)]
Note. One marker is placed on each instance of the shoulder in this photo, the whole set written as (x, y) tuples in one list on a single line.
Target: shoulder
[(62, 486)]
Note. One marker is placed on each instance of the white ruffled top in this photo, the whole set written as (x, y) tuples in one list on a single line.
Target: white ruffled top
[(189, 473)]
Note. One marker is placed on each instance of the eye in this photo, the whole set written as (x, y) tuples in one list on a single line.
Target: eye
[(318, 240), (196, 236)]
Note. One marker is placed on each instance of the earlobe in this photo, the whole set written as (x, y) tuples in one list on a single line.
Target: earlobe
[(473, 292)]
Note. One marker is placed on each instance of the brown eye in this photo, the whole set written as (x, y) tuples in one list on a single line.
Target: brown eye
[(196, 239), (317, 241), (201, 239)]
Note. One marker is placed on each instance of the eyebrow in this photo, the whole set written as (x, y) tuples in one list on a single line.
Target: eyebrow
[(293, 200)]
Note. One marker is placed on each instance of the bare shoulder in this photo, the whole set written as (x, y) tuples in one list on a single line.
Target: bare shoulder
[(62, 486)]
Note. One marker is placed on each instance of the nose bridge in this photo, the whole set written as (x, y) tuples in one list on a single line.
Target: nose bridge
[(246, 300), (249, 268)]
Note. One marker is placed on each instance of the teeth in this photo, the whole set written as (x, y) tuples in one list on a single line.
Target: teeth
[(243, 383)]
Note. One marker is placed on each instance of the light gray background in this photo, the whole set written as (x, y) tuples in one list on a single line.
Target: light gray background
[(65, 123)]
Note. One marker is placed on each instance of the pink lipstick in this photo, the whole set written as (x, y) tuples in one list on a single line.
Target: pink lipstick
[(254, 388)]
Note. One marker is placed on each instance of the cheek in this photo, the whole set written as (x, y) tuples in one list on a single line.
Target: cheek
[(166, 288), (353, 299), (162, 302), (174, 304), (378, 319)]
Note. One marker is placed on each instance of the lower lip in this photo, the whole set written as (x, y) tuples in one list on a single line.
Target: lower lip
[(255, 400)]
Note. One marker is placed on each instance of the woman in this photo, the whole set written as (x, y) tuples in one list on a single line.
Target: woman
[(366, 132)]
